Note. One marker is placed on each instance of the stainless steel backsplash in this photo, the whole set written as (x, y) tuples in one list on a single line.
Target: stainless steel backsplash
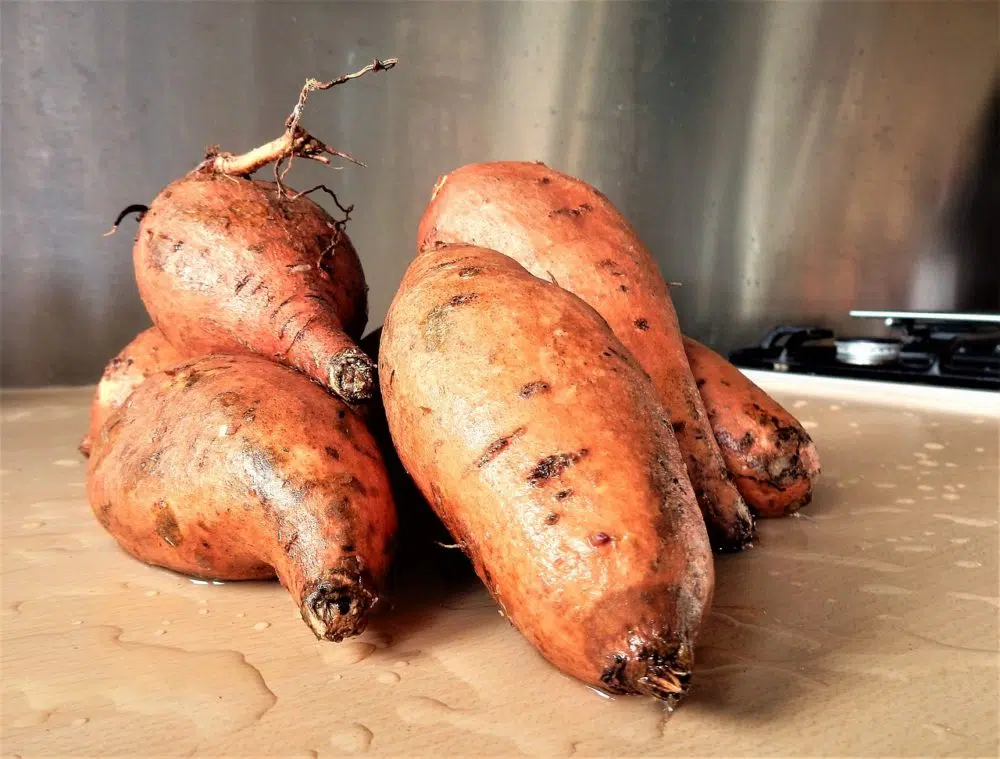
[(785, 161)]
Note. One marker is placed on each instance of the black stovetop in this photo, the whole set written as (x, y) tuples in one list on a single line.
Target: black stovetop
[(934, 348)]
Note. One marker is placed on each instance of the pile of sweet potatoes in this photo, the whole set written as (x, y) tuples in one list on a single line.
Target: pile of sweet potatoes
[(531, 384)]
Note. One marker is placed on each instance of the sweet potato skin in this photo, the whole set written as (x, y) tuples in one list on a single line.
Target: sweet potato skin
[(542, 446), (147, 353), (770, 455), (562, 229), (232, 467), (225, 265)]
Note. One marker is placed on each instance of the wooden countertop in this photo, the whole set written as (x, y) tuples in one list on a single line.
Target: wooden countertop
[(868, 625)]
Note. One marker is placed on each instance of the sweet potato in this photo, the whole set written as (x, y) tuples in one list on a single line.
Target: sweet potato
[(562, 229), (146, 354), (232, 467), (233, 265), (771, 457), (543, 447)]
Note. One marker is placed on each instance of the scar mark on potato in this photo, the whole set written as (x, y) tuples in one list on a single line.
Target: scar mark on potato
[(534, 388), (600, 539), (470, 271), (552, 518), (611, 266), (333, 453), (553, 466), (678, 427), (435, 323), (497, 447), (700, 382), (572, 212), (562, 495), (166, 524), (641, 324), (544, 180)]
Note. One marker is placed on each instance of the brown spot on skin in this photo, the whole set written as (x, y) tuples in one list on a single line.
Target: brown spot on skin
[(727, 383), (534, 388), (641, 324), (242, 283), (600, 539), (228, 398), (552, 518), (470, 271), (623, 288), (425, 410), (562, 495), (192, 379), (678, 427), (347, 548), (700, 382), (497, 447), (607, 263), (166, 524), (553, 466), (746, 441), (333, 453), (544, 180), (104, 514), (572, 212)]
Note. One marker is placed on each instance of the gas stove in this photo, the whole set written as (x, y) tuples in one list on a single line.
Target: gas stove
[(932, 348)]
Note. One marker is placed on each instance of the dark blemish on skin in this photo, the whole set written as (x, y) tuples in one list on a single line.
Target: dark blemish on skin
[(347, 548), (623, 288), (607, 263), (249, 415), (284, 327), (641, 324), (341, 413), (166, 524), (425, 410), (544, 180), (534, 388), (552, 518), (572, 212), (434, 326), (727, 383), (497, 447), (228, 398), (600, 539), (192, 379), (280, 306), (290, 543), (461, 300), (205, 544), (178, 245), (104, 514), (470, 271), (700, 382), (552, 466), (333, 453), (562, 495), (678, 427), (746, 441)]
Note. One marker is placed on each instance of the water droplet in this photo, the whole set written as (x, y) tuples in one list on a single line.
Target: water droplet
[(980, 450), (959, 541), (388, 678), (834, 407), (905, 500), (905, 467), (202, 601), (598, 692), (164, 621), (925, 488), (261, 625), (195, 581), (928, 532), (951, 496), (885, 485), (151, 593), (968, 564), (345, 654), (960, 486), (66, 462), (809, 424), (159, 632), (853, 425), (951, 465), (934, 446), (354, 738), (967, 521), (906, 539), (32, 525), (890, 540), (885, 590), (241, 614), (77, 621), (337, 676), (218, 582), (800, 404), (203, 612), (402, 664)]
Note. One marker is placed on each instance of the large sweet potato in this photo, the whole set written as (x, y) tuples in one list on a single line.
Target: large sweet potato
[(562, 229), (770, 455), (545, 450), (147, 353), (231, 265), (234, 467)]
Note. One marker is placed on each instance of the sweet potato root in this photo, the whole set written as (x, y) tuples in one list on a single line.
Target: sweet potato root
[(771, 457), (562, 229), (544, 448), (232, 467), (233, 265), (147, 353)]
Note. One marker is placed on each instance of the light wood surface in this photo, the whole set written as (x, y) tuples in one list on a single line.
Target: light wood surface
[(866, 626)]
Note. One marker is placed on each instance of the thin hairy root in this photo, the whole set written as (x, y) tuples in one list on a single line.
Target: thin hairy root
[(137, 208)]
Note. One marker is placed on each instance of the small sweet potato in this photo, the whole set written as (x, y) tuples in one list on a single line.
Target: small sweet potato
[(148, 353), (543, 447), (232, 467), (770, 455), (231, 265), (562, 229)]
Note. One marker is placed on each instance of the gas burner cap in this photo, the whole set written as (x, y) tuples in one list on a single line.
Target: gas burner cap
[(869, 351)]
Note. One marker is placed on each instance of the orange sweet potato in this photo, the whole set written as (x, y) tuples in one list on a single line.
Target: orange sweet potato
[(232, 467), (770, 455), (543, 447), (233, 265), (149, 352), (562, 229)]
